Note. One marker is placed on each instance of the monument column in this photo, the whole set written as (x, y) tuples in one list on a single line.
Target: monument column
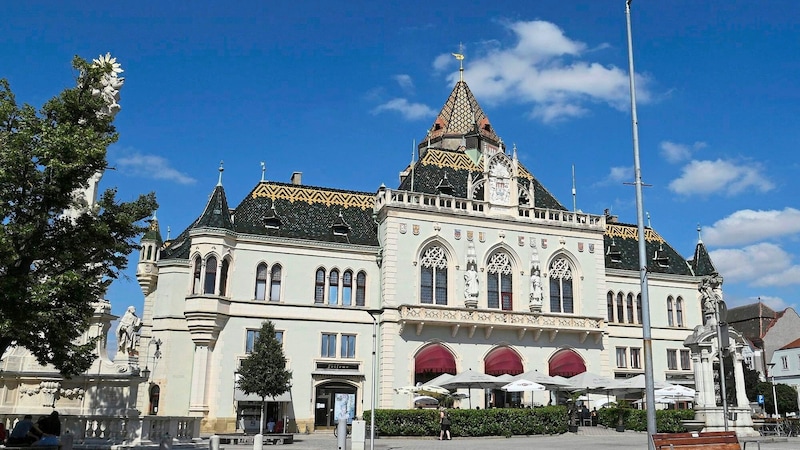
[(699, 381), (197, 403), (738, 377), (708, 378)]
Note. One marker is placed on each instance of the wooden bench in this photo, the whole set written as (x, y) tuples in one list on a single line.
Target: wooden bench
[(717, 440)]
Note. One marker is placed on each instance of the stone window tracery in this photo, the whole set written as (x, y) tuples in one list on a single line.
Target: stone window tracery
[(561, 289), (499, 282), (433, 276)]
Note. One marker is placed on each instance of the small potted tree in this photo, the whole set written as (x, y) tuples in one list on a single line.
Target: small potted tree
[(623, 409)]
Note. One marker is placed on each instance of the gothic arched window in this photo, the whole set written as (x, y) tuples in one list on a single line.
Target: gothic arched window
[(198, 273), (630, 307), (223, 277), (347, 288), (498, 282), (261, 282), (319, 286), (620, 308), (333, 287), (275, 283), (361, 288), (670, 317), (679, 312), (561, 296), (610, 305), (433, 276), (211, 275)]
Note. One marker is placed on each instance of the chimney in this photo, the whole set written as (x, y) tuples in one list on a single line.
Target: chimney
[(297, 178)]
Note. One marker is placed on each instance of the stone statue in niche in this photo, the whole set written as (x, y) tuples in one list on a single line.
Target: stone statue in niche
[(711, 293), (471, 287), (537, 293)]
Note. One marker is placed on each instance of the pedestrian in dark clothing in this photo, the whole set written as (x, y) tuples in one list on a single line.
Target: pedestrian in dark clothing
[(50, 429), (20, 434), (444, 423)]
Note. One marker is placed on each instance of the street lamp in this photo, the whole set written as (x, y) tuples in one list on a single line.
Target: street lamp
[(774, 395), (374, 376), (146, 371)]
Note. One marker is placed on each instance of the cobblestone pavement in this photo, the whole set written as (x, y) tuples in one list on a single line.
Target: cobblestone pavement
[(588, 438)]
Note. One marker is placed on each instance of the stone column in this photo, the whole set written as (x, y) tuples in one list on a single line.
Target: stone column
[(197, 402), (699, 385), (708, 377)]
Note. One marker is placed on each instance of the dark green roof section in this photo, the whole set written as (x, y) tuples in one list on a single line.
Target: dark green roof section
[(428, 173), (216, 214), (308, 213), (179, 247), (153, 232), (701, 263), (622, 251)]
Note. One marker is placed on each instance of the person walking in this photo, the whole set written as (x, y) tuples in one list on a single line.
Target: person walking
[(444, 424)]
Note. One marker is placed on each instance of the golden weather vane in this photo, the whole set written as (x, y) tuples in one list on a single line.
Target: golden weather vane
[(460, 57)]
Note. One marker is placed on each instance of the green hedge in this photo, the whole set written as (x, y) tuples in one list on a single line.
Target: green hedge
[(513, 421), (472, 422)]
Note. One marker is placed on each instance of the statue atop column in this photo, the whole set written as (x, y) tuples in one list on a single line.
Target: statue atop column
[(711, 296), (471, 282), (537, 293), (127, 331)]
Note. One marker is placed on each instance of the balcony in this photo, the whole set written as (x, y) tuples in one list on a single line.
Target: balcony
[(489, 320)]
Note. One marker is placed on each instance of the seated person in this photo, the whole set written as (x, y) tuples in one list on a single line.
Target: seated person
[(48, 428), (20, 434), (271, 425)]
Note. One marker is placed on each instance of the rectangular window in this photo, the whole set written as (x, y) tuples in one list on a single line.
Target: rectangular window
[(622, 357), (426, 285), (252, 335), (328, 345), (672, 359), (555, 296), (492, 291), (785, 362), (441, 286), (279, 336), (348, 346), (686, 360), (635, 358)]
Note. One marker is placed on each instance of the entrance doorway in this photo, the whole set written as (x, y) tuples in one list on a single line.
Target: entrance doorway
[(334, 400)]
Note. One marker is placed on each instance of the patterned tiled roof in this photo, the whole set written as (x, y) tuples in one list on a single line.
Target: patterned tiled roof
[(461, 114), (430, 170), (701, 263), (622, 251), (216, 214)]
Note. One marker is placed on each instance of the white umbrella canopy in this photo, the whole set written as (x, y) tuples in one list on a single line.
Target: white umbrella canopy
[(590, 382), (545, 380), (633, 384), (425, 400), (422, 388), (522, 385), (675, 392), (471, 379), (438, 381)]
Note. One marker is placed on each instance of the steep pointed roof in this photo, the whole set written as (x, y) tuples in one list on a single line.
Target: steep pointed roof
[(461, 115), (621, 248), (701, 262), (153, 232), (216, 214)]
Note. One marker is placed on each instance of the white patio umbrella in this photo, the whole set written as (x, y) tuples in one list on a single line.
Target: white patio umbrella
[(471, 379), (522, 385), (425, 400), (590, 382), (438, 381), (545, 380), (422, 388), (633, 384), (675, 392)]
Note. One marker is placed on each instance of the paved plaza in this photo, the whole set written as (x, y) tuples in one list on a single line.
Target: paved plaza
[(586, 439)]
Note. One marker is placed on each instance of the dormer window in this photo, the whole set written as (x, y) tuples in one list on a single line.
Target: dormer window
[(444, 187), (340, 227), (271, 220), (613, 252), (660, 257)]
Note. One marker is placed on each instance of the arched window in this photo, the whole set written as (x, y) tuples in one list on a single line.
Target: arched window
[(361, 288), (198, 272), (155, 394), (502, 360), (319, 286), (261, 282), (561, 298), (149, 252), (433, 360), (630, 308), (333, 287), (275, 284), (639, 307), (670, 318), (223, 277), (610, 305), (679, 312), (566, 363), (211, 275), (498, 282), (347, 288), (433, 276), (620, 308)]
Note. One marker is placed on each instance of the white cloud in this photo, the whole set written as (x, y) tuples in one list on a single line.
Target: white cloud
[(543, 68), (404, 81), (675, 153), (724, 176), (616, 175), (410, 111), (747, 225), (763, 264), (149, 166)]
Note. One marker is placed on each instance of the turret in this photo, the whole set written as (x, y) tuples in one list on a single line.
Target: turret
[(149, 253)]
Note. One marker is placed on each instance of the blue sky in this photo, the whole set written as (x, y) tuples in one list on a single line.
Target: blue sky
[(340, 91)]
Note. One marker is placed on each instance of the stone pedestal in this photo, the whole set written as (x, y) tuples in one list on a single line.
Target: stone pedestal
[(739, 419)]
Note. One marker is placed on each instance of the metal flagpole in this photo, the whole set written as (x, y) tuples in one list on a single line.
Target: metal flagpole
[(647, 340)]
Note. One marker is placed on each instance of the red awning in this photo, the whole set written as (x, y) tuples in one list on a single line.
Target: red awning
[(434, 359), (502, 361), (566, 363)]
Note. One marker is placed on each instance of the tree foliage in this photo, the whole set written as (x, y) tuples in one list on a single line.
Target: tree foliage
[(53, 267), (263, 372)]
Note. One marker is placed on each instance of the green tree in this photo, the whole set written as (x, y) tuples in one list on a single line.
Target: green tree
[(54, 266), (787, 397), (263, 372)]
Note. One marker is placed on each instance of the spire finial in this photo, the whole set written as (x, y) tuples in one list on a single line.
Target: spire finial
[(460, 57), (699, 235), (221, 169), (168, 231), (263, 170), (648, 219)]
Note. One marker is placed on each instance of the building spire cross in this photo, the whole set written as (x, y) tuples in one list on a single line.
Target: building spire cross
[(460, 57)]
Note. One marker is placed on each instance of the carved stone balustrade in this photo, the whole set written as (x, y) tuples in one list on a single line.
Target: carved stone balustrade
[(489, 320)]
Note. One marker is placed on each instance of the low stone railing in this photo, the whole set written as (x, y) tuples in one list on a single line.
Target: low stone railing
[(123, 430)]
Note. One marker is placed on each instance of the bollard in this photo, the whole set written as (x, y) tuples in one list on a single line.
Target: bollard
[(66, 441), (213, 442), (258, 441), (341, 431), (166, 442), (358, 435)]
